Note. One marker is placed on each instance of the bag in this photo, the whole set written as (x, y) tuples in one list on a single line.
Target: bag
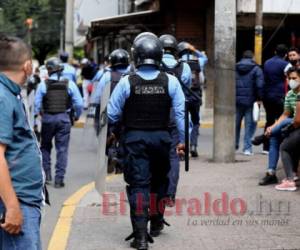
[(256, 112)]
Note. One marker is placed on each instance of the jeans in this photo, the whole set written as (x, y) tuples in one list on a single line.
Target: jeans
[(273, 112), (30, 237), (275, 141), (250, 126)]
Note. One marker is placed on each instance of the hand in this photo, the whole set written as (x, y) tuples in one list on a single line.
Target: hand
[(13, 220), (268, 131), (180, 149)]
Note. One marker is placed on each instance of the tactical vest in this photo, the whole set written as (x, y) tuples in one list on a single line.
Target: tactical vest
[(148, 106), (57, 99), (115, 78), (175, 71)]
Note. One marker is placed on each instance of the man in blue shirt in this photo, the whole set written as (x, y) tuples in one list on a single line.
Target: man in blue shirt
[(69, 71), (21, 174), (182, 72), (54, 99), (143, 101)]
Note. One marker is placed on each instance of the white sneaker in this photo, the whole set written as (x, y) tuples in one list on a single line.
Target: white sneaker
[(265, 152), (248, 153)]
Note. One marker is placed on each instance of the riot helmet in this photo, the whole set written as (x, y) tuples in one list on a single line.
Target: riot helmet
[(183, 48), (64, 56), (144, 34), (54, 65), (169, 43), (147, 50), (119, 57)]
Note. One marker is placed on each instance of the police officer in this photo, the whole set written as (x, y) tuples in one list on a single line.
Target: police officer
[(53, 101), (144, 100), (182, 72), (185, 52), (69, 71)]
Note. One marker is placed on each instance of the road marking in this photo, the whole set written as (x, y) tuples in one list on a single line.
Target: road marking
[(60, 236)]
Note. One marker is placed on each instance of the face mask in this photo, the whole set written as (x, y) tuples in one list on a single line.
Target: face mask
[(294, 62), (294, 84)]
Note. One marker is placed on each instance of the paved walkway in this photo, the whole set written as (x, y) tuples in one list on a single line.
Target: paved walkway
[(222, 208)]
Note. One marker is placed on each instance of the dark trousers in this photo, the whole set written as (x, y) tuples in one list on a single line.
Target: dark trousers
[(290, 153), (194, 110), (58, 127), (273, 111), (146, 168), (173, 174)]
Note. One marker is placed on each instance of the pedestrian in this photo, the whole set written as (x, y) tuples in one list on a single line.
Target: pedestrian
[(53, 101), (87, 72), (290, 147), (182, 71), (273, 91), (274, 132), (294, 58), (21, 173), (249, 84), (144, 100)]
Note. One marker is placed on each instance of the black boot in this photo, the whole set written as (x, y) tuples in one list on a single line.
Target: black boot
[(141, 237), (157, 225)]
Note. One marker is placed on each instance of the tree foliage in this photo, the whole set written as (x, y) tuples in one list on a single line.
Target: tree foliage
[(45, 32)]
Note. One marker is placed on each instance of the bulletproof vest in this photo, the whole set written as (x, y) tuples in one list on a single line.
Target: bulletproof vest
[(57, 99), (115, 78), (195, 68), (148, 106), (175, 71)]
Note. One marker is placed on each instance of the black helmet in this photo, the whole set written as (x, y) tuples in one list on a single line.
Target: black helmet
[(147, 50), (144, 34), (183, 48), (64, 56), (169, 42), (54, 65), (119, 57)]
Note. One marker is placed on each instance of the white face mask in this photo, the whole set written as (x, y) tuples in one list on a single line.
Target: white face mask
[(294, 84)]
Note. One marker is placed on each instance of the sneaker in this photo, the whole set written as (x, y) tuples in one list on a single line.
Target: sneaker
[(286, 185), (248, 153), (268, 180), (193, 151), (264, 152), (59, 184)]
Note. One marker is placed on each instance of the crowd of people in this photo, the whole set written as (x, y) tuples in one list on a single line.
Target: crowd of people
[(276, 88)]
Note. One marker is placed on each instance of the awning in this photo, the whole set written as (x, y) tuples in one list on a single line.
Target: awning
[(104, 26)]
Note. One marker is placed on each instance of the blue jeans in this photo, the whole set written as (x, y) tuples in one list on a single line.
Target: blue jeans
[(30, 237), (250, 126), (275, 141)]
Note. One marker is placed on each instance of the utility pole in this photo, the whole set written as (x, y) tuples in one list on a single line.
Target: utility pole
[(259, 31), (224, 90), (61, 39), (69, 37)]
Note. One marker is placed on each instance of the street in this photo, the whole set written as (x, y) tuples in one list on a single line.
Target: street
[(199, 221)]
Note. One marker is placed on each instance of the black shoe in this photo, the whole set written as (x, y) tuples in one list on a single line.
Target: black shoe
[(193, 151), (258, 140), (156, 226), (59, 184), (170, 201), (268, 180), (48, 177)]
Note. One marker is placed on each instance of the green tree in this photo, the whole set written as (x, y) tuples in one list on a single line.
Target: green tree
[(45, 32)]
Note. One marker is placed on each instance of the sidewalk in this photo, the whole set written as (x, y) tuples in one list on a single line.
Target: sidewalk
[(271, 219)]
